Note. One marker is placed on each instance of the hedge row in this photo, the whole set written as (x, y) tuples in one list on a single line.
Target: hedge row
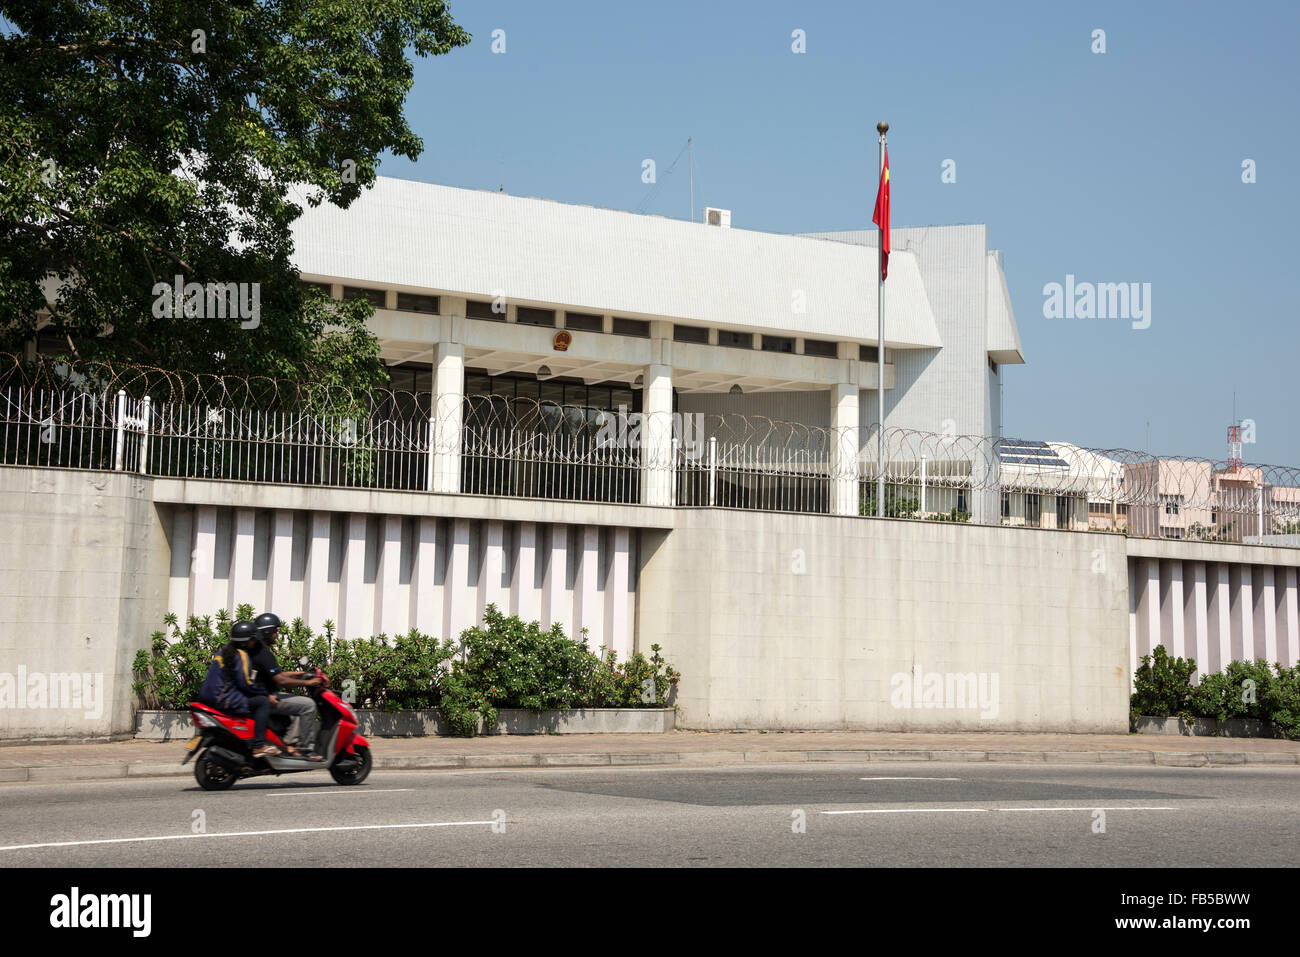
[(1246, 689), (506, 663)]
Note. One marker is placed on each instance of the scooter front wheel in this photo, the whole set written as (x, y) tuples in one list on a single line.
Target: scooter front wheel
[(348, 770), (211, 775)]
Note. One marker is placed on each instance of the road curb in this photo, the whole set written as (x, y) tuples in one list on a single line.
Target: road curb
[(438, 762)]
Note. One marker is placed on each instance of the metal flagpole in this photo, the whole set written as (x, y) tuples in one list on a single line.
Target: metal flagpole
[(881, 128)]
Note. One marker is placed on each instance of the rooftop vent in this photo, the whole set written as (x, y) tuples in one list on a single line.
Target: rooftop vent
[(717, 217)]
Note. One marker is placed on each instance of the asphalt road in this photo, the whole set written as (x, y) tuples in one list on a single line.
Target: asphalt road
[(904, 814)]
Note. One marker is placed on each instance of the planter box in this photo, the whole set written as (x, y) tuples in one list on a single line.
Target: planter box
[(173, 725), (1232, 728)]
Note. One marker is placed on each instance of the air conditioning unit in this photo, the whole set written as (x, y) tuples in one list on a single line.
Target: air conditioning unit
[(717, 217)]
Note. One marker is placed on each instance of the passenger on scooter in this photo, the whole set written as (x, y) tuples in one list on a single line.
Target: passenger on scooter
[(300, 708), (231, 685)]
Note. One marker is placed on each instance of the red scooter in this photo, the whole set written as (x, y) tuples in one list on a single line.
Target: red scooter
[(224, 751)]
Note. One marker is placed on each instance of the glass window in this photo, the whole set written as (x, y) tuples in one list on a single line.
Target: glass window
[(820, 347), (698, 334), (480, 309), (735, 340), (376, 297), (414, 302), (777, 344), (529, 316), (584, 322), (632, 327)]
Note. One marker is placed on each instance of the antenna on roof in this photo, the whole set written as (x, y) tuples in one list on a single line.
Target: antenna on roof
[(690, 144)]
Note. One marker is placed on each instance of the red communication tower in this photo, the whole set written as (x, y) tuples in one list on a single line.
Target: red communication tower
[(1234, 448)]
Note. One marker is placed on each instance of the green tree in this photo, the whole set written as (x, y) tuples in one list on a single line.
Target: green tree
[(142, 141)]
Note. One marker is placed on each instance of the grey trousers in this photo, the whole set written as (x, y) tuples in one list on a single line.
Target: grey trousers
[(302, 710)]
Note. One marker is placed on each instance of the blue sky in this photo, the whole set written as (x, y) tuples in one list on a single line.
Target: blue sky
[(1115, 167)]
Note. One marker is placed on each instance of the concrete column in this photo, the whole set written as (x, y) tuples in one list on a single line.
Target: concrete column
[(392, 614), (457, 599), (1171, 610), (557, 606), (1289, 626), (241, 564), (1148, 624), (203, 595), (844, 421), (658, 470), (1195, 620), (1219, 615), (182, 560), (426, 598), (445, 430), (616, 584), (1243, 613), (281, 595), (525, 598), (319, 599), (355, 611), (586, 597), (490, 590), (1265, 613), (1132, 624)]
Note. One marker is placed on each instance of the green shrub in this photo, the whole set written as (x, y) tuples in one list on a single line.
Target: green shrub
[(512, 664), (507, 663), (1245, 689), (1163, 685)]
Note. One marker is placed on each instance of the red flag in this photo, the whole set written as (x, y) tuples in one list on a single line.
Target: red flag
[(881, 217)]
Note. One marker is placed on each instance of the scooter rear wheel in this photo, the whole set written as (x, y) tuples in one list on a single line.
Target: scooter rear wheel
[(353, 772), (211, 775)]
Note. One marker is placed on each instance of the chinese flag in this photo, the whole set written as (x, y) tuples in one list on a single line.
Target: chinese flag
[(881, 217)]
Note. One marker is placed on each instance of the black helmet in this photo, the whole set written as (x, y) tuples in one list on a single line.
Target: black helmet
[(242, 633), (266, 622)]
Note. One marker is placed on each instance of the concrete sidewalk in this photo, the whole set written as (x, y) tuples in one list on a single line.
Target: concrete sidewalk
[(54, 762)]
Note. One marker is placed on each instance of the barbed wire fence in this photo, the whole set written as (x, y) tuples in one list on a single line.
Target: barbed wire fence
[(158, 422)]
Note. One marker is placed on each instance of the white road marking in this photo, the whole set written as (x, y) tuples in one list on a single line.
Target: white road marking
[(299, 791), (917, 810), (983, 810), (909, 779), (292, 830), (1085, 809)]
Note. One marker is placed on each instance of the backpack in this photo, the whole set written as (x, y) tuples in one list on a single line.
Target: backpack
[(220, 688)]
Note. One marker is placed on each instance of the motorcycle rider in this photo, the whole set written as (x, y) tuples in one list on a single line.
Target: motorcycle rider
[(231, 685), (300, 708)]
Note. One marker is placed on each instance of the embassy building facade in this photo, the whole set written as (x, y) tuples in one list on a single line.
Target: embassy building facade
[(479, 293)]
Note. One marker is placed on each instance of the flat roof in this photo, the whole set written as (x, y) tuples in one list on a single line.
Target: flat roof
[(479, 243)]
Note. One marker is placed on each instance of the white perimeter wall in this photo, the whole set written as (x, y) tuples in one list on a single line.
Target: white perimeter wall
[(800, 622)]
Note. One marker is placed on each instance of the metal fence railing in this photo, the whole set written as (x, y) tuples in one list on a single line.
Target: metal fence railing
[(508, 446)]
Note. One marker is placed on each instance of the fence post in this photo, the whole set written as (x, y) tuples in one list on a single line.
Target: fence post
[(144, 435), (119, 430), (713, 468), (923, 486), (672, 472), (1259, 508)]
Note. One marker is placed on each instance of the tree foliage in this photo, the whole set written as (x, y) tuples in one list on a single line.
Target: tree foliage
[(142, 141)]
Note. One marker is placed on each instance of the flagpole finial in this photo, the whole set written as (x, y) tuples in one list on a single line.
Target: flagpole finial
[(882, 127)]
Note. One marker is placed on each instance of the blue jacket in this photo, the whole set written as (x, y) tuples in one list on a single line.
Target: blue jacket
[(230, 681)]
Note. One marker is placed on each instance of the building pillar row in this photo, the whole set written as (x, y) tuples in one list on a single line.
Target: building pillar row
[(844, 450), (657, 466), (445, 417)]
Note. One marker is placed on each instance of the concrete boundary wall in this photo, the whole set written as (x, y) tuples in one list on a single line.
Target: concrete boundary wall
[(83, 573), (381, 573), (776, 620), (1216, 611), (789, 622)]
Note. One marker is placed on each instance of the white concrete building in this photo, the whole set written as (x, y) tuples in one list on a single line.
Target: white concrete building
[(473, 289)]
